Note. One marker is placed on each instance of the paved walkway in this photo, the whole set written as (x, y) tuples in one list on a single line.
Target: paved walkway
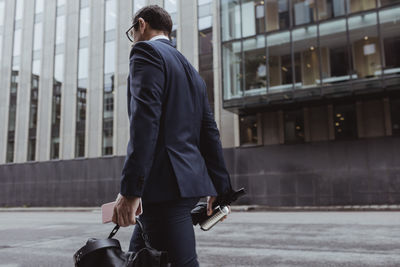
[(245, 239)]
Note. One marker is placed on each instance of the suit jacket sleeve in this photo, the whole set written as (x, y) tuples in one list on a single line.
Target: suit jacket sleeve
[(211, 150), (146, 89)]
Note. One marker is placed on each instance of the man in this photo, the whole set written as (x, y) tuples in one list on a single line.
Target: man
[(174, 156)]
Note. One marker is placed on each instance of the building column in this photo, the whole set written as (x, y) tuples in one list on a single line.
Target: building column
[(187, 42), (121, 119), (69, 90), (94, 109), (46, 83), (5, 74), (24, 86), (227, 122)]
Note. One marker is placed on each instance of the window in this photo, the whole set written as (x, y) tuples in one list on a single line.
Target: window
[(390, 33), (232, 71), (206, 47), (277, 15), (304, 11), (360, 5), (306, 56), (248, 130), (387, 2), (83, 71), (345, 122), (230, 20), (279, 62), (294, 126), (365, 45), (19, 7), (108, 78), (335, 52), (138, 4), (57, 81), (255, 65), (171, 7)]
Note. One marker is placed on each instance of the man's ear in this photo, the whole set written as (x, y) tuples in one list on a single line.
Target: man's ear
[(142, 26)]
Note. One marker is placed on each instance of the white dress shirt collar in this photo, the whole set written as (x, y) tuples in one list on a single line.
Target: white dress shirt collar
[(161, 36)]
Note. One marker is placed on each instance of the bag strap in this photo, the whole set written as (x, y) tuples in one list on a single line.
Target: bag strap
[(95, 245), (144, 235)]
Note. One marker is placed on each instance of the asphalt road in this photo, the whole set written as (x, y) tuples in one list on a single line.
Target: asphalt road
[(244, 239)]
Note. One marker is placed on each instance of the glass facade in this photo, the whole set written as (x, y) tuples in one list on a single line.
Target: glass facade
[(83, 71), (58, 80), (109, 68), (205, 17), (278, 46), (35, 78), (2, 9), (138, 4), (294, 126), (16, 58), (171, 7)]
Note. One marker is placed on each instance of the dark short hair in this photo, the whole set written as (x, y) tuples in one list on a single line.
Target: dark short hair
[(156, 16)]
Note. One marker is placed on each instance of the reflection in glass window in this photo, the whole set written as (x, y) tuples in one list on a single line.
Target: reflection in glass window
[(365, 45), (294, 126), (57, 83), (304, 11), (230, 20), (2, 6), (14, 80), (17, 42), (35, 79), (232, 71), (110, 15), (84, 22), (255, 65), (171, 7), (19, 9), (248, 130), (206, 47), (138, 4), (307, 56), (248, 9), (360, 5), (334, 52), (108, 80), (39, 6), (60, 30), (38, 36), (390, 33), (279, 62), (345, 122), (277, 15), (83, 65)]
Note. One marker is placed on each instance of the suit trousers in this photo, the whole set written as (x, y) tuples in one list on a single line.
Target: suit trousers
[(169, 228)]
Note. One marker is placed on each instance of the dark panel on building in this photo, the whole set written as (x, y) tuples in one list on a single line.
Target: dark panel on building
[(360, 172)]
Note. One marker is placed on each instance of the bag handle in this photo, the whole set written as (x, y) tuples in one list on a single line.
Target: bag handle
[(144, 235)]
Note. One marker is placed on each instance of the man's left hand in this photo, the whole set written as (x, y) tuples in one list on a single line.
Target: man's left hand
[(126, 209)]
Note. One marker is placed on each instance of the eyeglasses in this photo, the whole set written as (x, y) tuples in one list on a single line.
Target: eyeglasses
[(129, 31)]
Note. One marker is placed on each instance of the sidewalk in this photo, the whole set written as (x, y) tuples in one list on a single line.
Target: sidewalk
[(236, 208)]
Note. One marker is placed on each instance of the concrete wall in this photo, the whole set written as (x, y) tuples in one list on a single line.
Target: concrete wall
[(361, 172)]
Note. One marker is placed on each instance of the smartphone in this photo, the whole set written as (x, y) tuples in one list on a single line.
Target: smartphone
[(107, 211)]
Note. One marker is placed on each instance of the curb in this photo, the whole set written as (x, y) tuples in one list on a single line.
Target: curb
[(236, 208)]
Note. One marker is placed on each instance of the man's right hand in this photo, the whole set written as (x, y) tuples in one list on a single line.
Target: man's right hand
[(210, 201)]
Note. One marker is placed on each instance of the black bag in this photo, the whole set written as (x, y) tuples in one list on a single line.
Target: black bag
[(108, 253)]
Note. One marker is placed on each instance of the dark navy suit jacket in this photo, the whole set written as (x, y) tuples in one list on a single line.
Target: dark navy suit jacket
[(174, 148)]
